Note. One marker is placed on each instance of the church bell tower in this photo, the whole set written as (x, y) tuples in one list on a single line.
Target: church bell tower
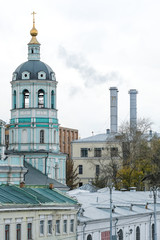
[(34, 128)]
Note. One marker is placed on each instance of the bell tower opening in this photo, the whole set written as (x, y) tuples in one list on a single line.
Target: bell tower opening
[(25, 99), (40, 98)]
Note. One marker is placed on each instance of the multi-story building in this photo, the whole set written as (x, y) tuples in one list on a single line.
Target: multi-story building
[(66, 136), (36, 213), (92, 154)]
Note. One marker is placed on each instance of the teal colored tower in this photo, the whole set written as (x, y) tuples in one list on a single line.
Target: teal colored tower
[(34, 128)]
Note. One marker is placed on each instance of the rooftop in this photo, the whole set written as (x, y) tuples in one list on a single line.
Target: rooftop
[(36, 177), (96, 205), (14, 195)]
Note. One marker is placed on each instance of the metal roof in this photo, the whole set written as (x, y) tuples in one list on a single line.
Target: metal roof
[(103, 137), (11, 194), (36, 177), (33, 67)]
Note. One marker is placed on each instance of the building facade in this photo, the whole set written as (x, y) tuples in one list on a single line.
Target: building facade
[(36, 213), (132, 215), (66, 136), (34, 128), (92, 154)]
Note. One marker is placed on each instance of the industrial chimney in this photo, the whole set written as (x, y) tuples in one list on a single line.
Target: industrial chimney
[(133, 108), (113, 109)]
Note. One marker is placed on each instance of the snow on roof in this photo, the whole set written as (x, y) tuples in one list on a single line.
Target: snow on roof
[(103, 137), (96, 205)]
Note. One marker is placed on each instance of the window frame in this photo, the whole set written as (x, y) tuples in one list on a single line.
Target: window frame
[(58, 231), (14, 99), (41, 98), (97, 170), (7, 232), (49, 227), (52, 99), (29, 230), (65, 226), (41, 227), (84, 152), (120, 234), (114, 152), (26, 95), (138, 233), (80, 169), (97, 152), (41, 136), (18, 231), (72, 225)]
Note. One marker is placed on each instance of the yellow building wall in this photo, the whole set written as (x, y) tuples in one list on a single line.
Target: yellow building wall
[(23, 217), (89, 163)]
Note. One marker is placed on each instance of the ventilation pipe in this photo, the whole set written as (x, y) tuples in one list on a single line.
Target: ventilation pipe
[(113, 109), (133, 108)]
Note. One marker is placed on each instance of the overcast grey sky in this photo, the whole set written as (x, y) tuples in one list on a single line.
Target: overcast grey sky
[(91, 45)]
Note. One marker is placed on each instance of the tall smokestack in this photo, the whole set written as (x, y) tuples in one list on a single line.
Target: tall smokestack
[(133, 108), (113, 109)]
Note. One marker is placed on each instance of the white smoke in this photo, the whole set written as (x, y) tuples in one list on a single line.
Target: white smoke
[(89, 74)]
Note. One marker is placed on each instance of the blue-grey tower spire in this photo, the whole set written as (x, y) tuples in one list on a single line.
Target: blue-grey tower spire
[(34, 45)]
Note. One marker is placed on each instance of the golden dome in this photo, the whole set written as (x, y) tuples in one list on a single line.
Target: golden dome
[(34, 32)]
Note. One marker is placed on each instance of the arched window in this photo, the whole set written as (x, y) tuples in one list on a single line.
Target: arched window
[(42, 136), (52, 99), (153, 231), (24, 136), (89, 237), (14, 99), (25, 99), (137, 233), (54, 136), (12, 136), (41, 98), (120, 234)]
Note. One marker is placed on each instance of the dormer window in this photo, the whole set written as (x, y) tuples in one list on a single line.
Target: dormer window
[(14, 76), (25, 75), (41, 75), (53, 76)]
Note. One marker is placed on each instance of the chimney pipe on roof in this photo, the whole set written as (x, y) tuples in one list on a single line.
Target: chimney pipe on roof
[(133, 108), (51, 186), (113, 109), (22, 184)]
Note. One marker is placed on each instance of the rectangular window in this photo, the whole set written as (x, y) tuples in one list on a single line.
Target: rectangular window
[(80, 169), (29, 231), (97, 170), (80, 184), (65, 226), (97, 152), (114, 152), (49, 226), (72, 225), (7, 228), (41, 227), (84, 152), (18, 232), (58, 226)]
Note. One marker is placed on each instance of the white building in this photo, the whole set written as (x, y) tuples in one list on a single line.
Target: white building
[(36, 213), (132, 214)]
